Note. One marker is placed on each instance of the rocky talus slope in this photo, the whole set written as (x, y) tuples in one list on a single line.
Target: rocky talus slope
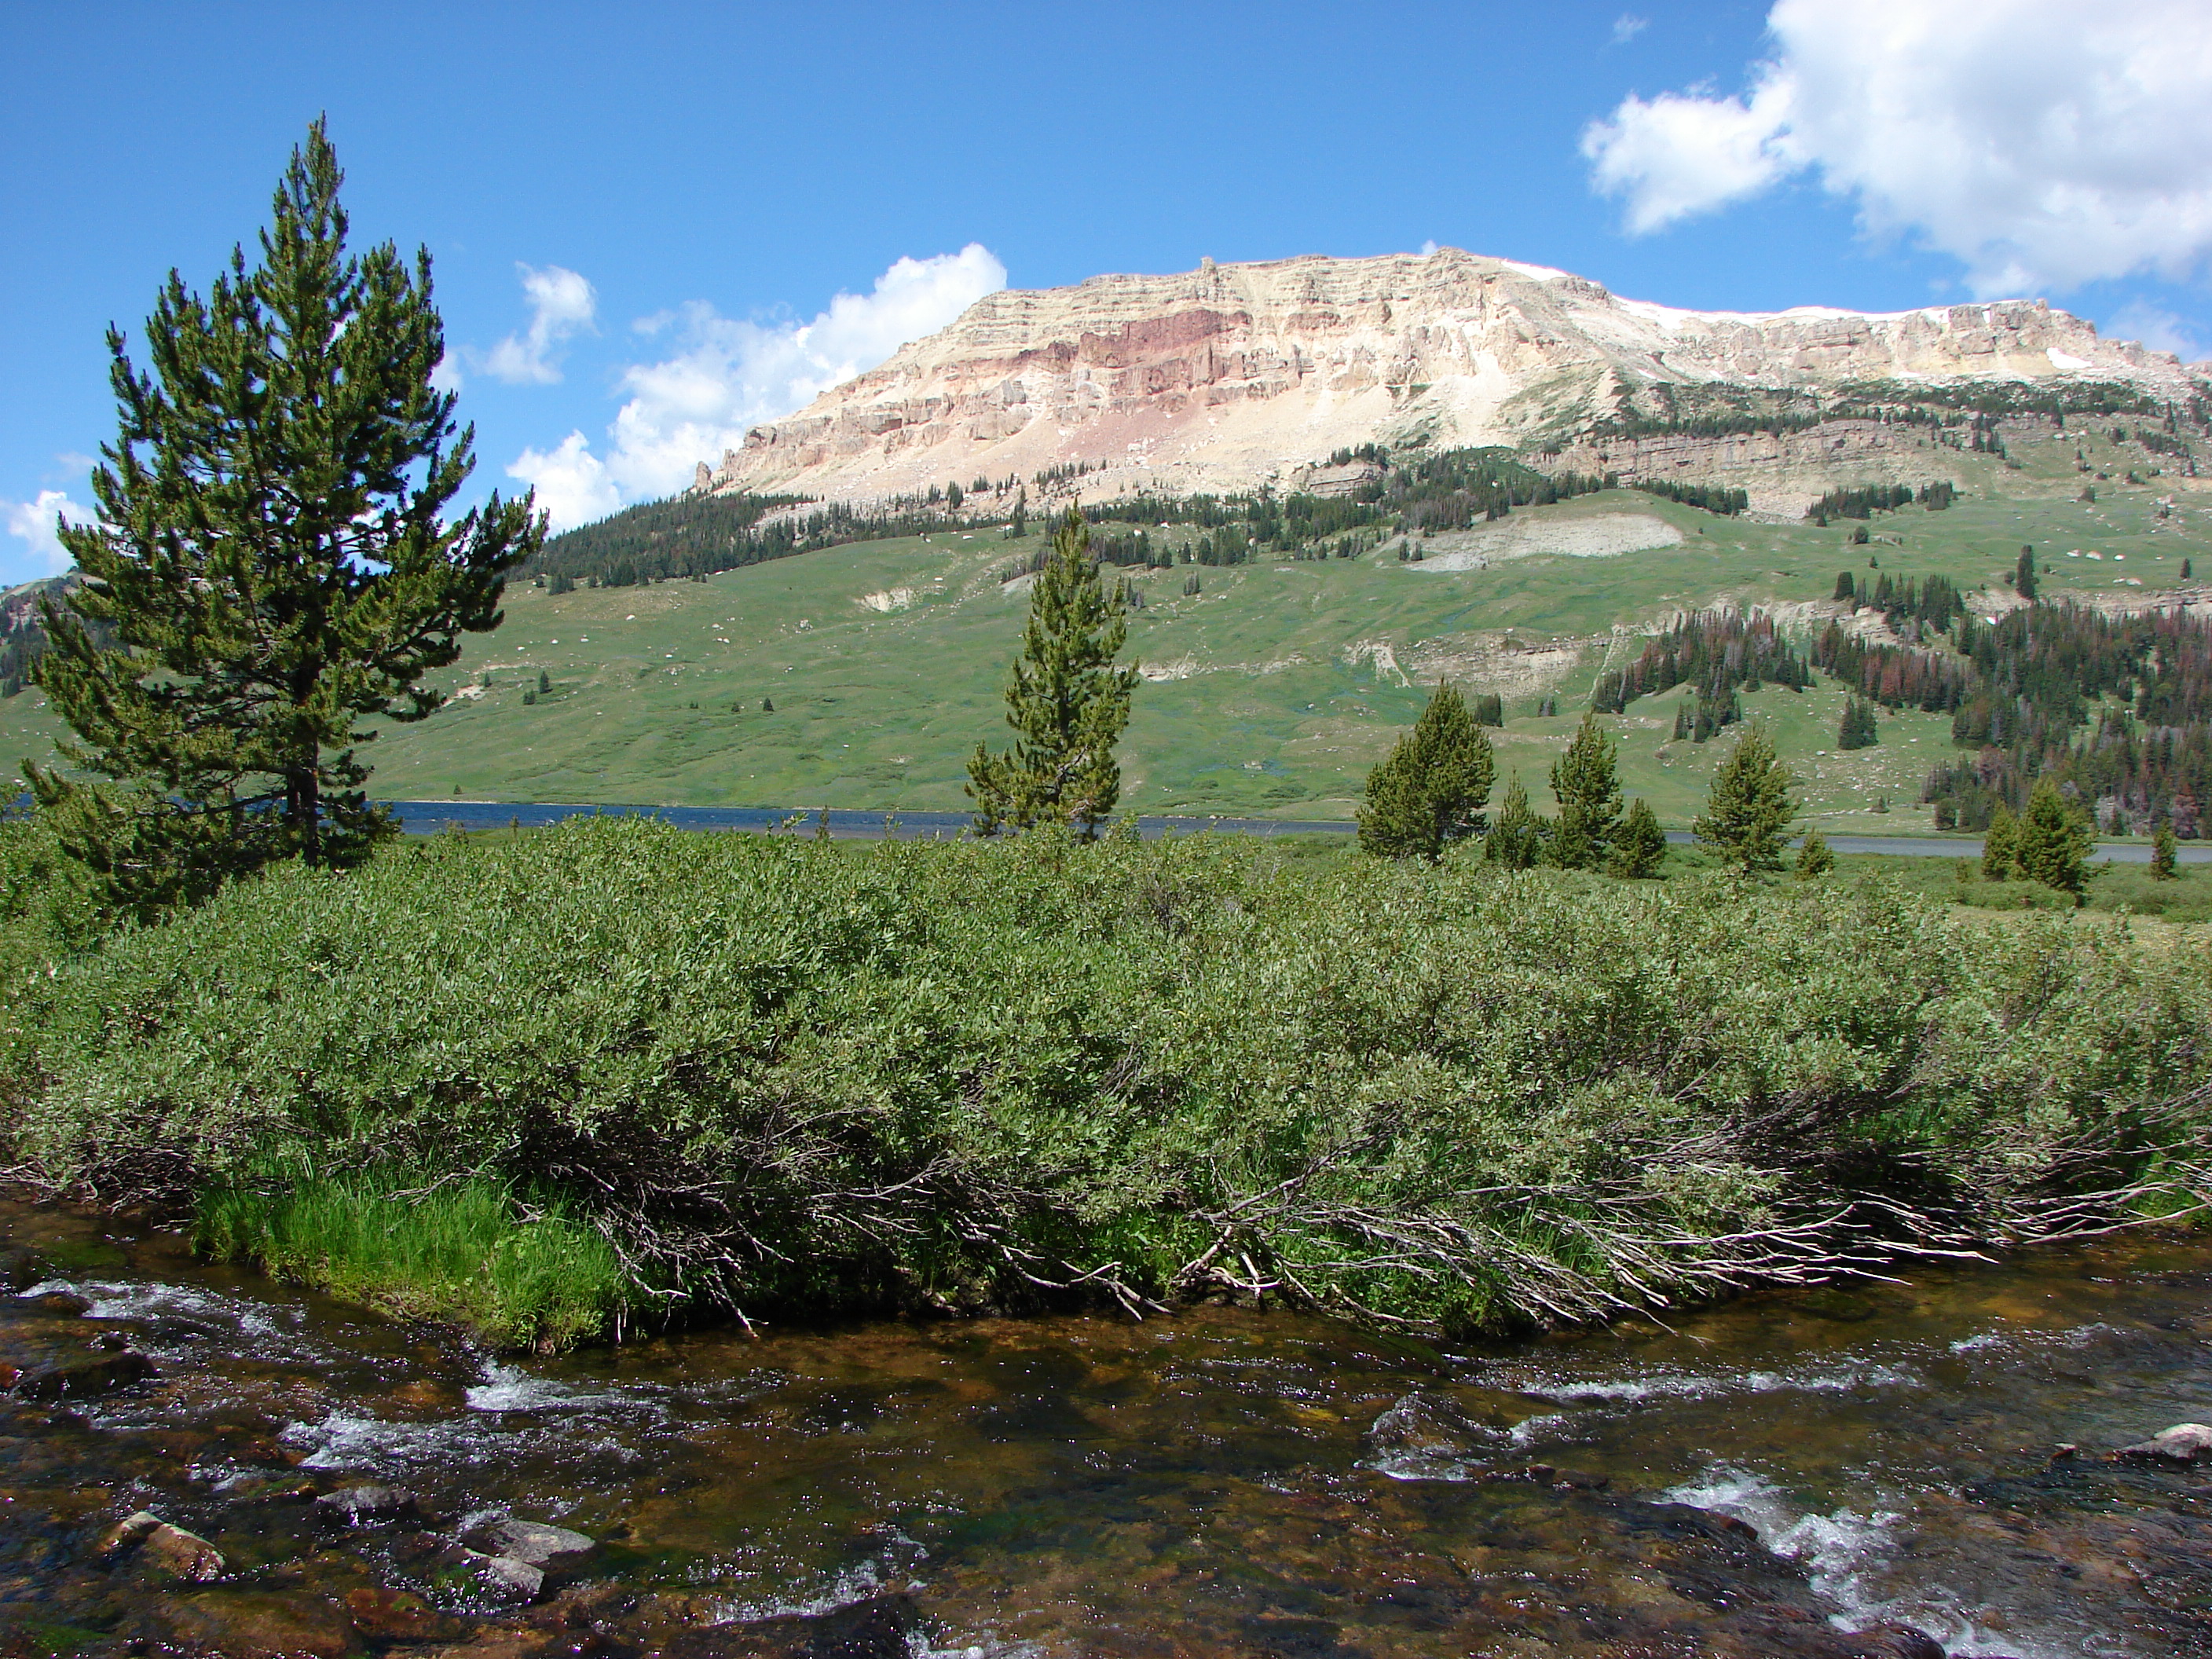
[(1229, 376)]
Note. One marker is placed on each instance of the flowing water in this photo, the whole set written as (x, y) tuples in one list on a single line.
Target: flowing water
[(1792, 1474)]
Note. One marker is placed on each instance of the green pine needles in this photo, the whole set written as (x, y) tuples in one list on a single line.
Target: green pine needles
[(1515, 840), (1748, 809), (1067, 702), (1999, 843), (1430, 790), (1584, 782), (1857, 728), (2165, 852), (272, 559), (2054, 842), (1641, 846), (1815, 858)]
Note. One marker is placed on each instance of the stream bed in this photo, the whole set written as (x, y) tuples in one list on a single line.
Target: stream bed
[(1865, 1470)]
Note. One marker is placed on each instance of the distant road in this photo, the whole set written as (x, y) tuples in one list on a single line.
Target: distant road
[(425, 817)]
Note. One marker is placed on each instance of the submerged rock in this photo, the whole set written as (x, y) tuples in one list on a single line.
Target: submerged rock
[(1424, 1435), (533, 1541), (65, 1378), (389, 1615), (524, 1578), (256, 1624), (21, 1267), (2185, 1442), (170, 1549), (365, 1504)]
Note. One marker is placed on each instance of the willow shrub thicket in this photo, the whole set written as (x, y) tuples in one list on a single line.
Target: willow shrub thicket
[(789, 1078)]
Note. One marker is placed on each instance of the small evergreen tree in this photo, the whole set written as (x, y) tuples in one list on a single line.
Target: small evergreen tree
[(2165, 854), (272, 555), (1748, 807), (1641, 846), (1588, 791), (2188, 567), (768, 705), (1019, 526), (1515, 840), (952, 497), (2054, 842), (544, 682), (1858, 729), (1814, 857), (1430, 791), (1066, 702), (2000, 842), (2023, 573)]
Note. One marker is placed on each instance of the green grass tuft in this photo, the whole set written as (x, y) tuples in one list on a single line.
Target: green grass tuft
[(418, 1248)]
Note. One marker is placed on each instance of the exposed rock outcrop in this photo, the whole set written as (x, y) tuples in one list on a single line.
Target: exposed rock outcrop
[(1233, 375)]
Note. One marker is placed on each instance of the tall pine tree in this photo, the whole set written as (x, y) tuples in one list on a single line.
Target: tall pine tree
[(1858, 729), (1430, 790), (1588, 791), (1999, 843), (273, 559), (2054, 842), (1748, 807), (2165, 852), (1067, 702)]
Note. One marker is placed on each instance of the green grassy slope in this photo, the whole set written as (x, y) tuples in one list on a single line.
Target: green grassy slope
[(885, 661)]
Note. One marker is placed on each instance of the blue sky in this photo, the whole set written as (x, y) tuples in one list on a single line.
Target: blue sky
[(672, 193)]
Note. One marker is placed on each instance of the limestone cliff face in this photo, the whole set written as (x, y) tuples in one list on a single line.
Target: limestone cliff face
[(1232, 375)]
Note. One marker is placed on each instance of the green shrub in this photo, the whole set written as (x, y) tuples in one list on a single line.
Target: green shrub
[(791, 1078)]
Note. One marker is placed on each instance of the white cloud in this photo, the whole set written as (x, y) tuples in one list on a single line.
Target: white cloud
[(572, 483), (725, 375), (2159, 329), (1679, 154), (2039, 142), (34, 521), (1627, 26), (560, 302)]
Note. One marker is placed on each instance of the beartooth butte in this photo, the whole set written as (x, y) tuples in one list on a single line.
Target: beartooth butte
[(1231, 376)]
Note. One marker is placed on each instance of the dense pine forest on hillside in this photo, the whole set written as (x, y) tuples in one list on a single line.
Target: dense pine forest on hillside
[(1964, 417)]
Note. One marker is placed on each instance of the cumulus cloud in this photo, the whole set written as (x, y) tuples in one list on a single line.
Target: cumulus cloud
[(561, 303), (724, 375), (34, 521), (2039, 142), (572, 483), (1682, 154)]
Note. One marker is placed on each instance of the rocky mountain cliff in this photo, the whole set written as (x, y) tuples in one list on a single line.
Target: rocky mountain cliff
[(1229, 376)]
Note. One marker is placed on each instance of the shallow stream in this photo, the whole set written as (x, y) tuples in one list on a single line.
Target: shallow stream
[(1792, 1474)]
